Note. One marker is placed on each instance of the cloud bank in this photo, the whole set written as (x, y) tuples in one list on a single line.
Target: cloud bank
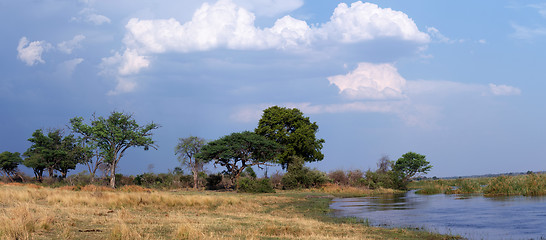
[(226, 25)]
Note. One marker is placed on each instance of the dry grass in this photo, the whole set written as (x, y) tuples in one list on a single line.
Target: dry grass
[(135, 213)]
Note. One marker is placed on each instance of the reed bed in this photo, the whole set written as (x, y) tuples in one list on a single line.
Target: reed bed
[(96, 213), (521, 185)]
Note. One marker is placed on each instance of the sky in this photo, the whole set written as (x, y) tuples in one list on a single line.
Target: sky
[(458, 81)]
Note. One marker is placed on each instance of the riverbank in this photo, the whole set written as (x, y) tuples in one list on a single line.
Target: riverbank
[(90, 212)]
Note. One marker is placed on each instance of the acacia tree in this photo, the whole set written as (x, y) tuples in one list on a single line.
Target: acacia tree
[(288, 127), (238, 151), (114, 135), (8, 164), (410, 165), (186, 149)]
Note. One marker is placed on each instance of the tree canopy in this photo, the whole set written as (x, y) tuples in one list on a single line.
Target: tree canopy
[(288, 127), (114, 135), (411, 164), (186, 149), (53, 151), (238, 151), (9, 162)]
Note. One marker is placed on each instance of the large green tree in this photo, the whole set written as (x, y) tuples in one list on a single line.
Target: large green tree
[(53, 151), (114, 135), (238, 151), (411, 165), (9, 162), (288, 127), (186, 149)]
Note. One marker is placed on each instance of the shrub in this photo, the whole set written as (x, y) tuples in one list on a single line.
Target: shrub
[(303, 177), (339, 177), (356, 178), (250, 185), (276, 180)]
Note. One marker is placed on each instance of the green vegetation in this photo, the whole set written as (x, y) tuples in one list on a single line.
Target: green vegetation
[(113, 136), (238, 151), (524, 185), (295, 132), (8, 164)]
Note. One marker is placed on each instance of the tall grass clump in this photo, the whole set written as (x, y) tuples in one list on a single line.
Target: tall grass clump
[(525, 185)]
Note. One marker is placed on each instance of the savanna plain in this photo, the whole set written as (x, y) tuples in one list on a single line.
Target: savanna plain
[(29, 211)]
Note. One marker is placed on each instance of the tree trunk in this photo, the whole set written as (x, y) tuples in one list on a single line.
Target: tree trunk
[(50, 171), (113, 177), (195, 179)]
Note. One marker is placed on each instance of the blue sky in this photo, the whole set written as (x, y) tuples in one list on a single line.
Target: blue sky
[(458, 81)]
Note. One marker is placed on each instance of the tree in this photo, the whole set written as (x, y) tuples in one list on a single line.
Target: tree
[(292, 130), (411, 165), (9, 163), (186, 149), (53, 152), (238, 151), (114, 135)]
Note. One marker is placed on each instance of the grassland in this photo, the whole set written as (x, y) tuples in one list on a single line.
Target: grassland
[(521, 185), (90, 212)]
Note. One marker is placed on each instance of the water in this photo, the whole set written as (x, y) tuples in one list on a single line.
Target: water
[(473, 217)]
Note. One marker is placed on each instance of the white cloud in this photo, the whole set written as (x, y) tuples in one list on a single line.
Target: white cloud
[(68, 46), (89, 15), (367, 21), (270, 7), (227, 25), (31, 52), (128, 63), (371, 81), (504, 90)]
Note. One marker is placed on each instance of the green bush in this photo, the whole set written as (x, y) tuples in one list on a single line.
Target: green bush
[(250, 185), (303, 177)]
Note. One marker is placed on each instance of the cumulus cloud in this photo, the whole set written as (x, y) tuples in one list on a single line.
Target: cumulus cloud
[(89, 15), (367, 21), (68, 46), (504, 90), (227, 25), (31, 52), (371, 81), (130, 62)]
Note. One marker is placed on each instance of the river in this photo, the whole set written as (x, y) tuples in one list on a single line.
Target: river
[(473, 217)]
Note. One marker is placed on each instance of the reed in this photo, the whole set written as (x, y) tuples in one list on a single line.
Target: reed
[(521, 185)]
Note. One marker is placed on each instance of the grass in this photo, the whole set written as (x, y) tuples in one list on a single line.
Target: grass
[(521, 185), (32, 212)]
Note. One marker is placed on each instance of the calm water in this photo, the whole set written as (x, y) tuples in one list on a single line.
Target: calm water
[(473, 217)]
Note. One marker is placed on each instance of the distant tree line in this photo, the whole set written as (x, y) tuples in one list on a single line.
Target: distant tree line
[(284, 137)]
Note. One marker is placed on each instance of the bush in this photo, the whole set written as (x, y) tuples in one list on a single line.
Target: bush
[(250, 185), (356, 178), (339, 177), (389, 179), (303, 177), (218, 181)]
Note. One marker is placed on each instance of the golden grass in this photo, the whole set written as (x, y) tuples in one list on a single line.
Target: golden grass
[(46, 213)]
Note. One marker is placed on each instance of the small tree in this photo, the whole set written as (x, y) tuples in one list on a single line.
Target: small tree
[(186, 149), (114, 135), (9, 163), (238, 151), (411, 165)]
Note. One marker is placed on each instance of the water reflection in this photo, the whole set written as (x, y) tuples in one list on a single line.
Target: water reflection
[(471, 216)]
